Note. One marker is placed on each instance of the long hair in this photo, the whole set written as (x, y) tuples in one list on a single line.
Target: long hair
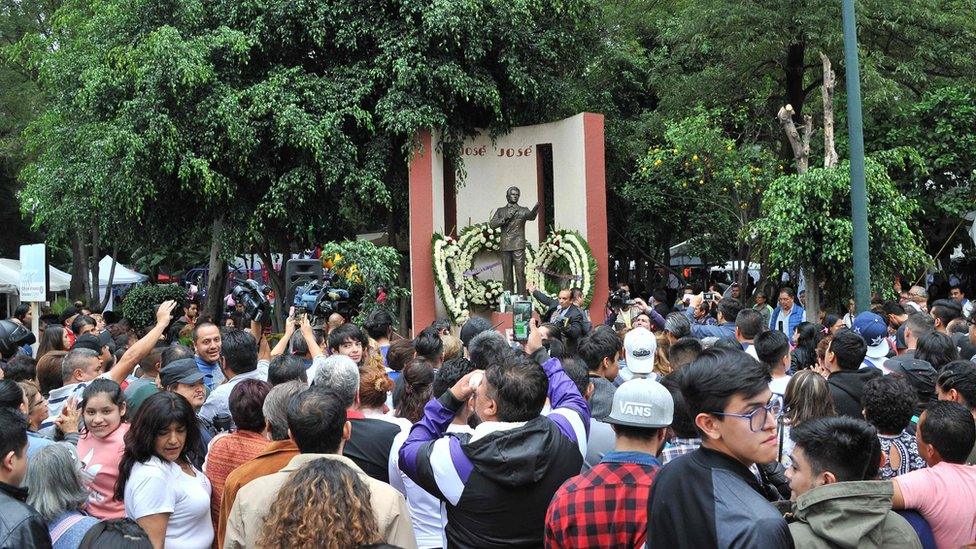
[(156, 414), (51, 340), (418, 386), (807, 397), (323, 505)]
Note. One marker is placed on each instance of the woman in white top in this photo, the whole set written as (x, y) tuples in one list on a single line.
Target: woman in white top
[(162, 491)]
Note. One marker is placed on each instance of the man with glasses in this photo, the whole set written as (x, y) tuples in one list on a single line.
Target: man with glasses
[(709, 498), (788, 314)]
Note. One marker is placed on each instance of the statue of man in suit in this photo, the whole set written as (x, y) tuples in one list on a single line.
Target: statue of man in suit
[(511, 218)]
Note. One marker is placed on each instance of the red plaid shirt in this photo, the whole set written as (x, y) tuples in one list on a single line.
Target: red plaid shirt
[(605, 506)]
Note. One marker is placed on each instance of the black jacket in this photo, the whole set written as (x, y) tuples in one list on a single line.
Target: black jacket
[(573, 323), (20, 525), (707, 499), (847, 388)]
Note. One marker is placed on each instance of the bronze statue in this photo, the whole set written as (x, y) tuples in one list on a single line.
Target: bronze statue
[(511, 218)]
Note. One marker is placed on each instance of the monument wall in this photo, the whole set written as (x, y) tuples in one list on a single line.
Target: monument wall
[(577, 201)]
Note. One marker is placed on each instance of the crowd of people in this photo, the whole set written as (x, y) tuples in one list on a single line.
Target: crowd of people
[(706, 422)]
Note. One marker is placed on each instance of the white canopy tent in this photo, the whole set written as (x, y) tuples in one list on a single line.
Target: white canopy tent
[(734, 266), (123, 276), (60, 281)]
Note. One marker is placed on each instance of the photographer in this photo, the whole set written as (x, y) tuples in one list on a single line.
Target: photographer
[(623, 312)]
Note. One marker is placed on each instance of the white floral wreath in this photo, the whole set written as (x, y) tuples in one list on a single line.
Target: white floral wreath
[(460, 288)]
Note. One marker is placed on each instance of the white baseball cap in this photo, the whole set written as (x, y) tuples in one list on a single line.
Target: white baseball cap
[(640, 346)]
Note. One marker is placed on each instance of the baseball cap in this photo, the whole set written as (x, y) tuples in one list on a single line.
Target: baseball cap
[(874, 332), (183, 370), (641, 402), (88, 341), (473, 327), (919, 373), (640, 346)]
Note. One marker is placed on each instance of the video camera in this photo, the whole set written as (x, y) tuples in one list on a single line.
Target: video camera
[(254, 296), (620, 299), (319, 301)]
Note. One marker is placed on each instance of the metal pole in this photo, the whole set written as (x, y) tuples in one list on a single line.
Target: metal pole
[(859, 211)]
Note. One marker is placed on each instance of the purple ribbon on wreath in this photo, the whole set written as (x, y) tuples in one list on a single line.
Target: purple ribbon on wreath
[(475, 272)]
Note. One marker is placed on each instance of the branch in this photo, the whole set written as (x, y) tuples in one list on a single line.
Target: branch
[(827, 93), (799, 143)]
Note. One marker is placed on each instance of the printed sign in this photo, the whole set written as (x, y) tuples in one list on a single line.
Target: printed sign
[(33, 272)]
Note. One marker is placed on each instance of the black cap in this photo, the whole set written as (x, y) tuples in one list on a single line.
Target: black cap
[(105, 338), (183, 370), (88, 341)]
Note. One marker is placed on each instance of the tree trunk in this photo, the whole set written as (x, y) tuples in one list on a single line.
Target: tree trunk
[(277, 279), (79, 266), (827, 93), (801, 154), (795, 94), (799, 142), (217, 277)]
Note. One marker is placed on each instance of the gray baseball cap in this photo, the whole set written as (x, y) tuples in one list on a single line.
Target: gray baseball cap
[(183, 370), (641, 402)]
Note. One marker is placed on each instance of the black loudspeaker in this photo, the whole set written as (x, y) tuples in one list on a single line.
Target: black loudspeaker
[(299, 272)]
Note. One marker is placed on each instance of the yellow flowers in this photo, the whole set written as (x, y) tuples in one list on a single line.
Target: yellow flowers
[(657, 162), (729, 148), (694, 158)]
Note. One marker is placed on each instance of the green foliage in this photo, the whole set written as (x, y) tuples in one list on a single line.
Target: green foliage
[(939, 173), (702, 183), (806, 222), (360, 265), (291, 120), (140, 303), (59, 305)]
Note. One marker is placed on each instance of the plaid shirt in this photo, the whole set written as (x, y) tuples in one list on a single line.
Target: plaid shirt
[(605, 506), (679, 447)]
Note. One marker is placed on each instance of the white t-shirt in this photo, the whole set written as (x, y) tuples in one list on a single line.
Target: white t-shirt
[(778, 385), (783, 322), (158, 486), (428, 515)]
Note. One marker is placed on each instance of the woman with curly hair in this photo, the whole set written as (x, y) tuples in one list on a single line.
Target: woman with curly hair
[(324, 504)]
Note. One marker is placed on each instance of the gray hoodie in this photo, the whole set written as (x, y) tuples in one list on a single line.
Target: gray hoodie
[(850, 514)]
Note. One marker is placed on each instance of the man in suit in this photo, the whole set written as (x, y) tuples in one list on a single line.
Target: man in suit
[(511, 218), (563, 313)]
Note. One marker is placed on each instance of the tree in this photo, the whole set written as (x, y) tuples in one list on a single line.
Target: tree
[(19, 103), (278, 124), (703, 184), (806, 222), (940, 129)]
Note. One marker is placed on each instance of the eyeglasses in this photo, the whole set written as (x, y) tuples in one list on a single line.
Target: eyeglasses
[(757, 417)]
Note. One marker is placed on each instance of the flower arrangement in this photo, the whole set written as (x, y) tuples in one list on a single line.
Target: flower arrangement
[(460, 288)]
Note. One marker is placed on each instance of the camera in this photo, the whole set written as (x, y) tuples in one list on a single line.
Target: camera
[(319, 301), (709, 296), (254, 296), (619, 299)]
